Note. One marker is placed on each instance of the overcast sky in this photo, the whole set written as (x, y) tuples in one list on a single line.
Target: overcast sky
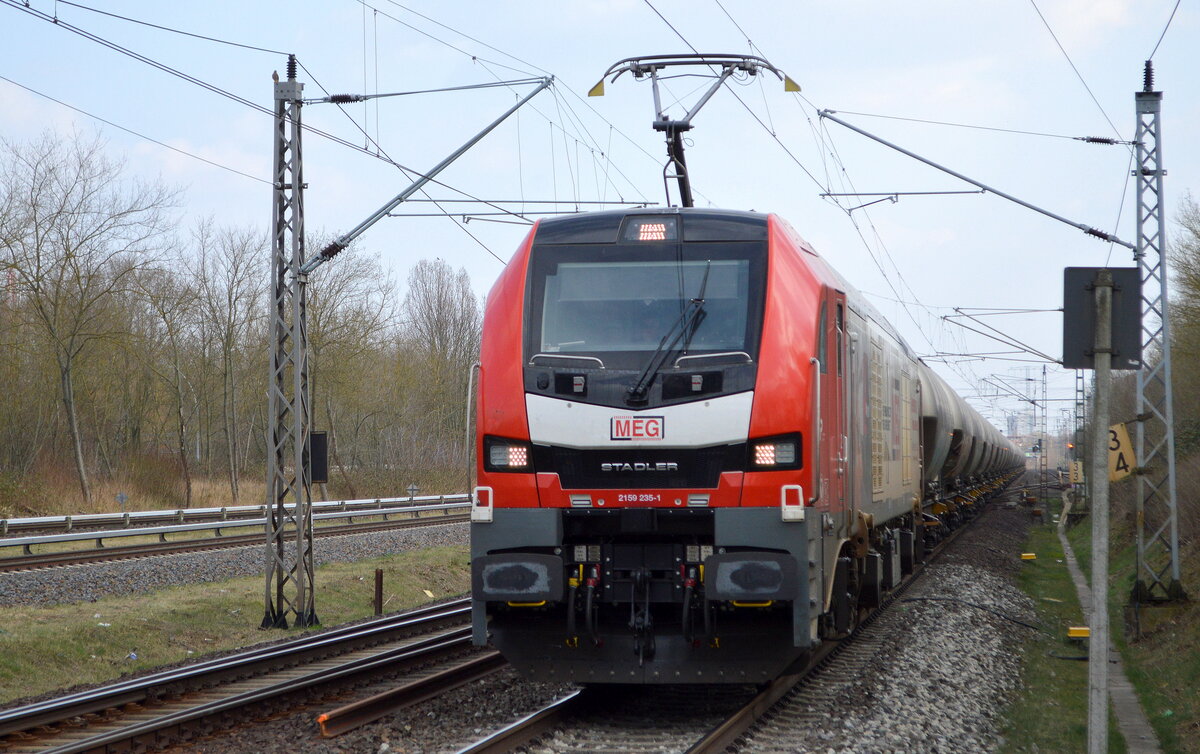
[(1058, 68)]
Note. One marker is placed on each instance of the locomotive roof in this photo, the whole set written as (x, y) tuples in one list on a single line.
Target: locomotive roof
[(697, 225)]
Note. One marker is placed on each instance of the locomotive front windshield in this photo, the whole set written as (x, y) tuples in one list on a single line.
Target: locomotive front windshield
[(617, 303)]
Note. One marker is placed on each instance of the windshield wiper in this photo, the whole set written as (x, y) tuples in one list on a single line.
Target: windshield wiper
[(687, 324)]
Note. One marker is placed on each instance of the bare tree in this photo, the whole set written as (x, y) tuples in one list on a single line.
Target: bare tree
[(74, 232), (229, 270), (1185, 263), (173, 303), (443, 318), (442, 332), (351, 310)]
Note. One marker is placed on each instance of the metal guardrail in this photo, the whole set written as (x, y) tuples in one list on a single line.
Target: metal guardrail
[(445, 504), (183, 515)]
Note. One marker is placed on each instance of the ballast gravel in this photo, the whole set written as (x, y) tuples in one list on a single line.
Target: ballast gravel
[(87, 583), (948, 659)]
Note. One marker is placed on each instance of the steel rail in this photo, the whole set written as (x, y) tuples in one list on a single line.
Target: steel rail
[(176, 547), (209, 673), (389, 661), (356, 714), (531, 726)]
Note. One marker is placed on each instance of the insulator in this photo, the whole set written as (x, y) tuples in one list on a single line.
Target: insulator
[(1099, 140), (291, 68), (1148, 77), (344, 99), (332, 250)]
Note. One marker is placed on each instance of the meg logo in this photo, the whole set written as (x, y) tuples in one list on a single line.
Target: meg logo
[(636, 428)]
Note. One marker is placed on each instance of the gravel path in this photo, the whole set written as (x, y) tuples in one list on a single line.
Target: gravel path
[(88, 583)]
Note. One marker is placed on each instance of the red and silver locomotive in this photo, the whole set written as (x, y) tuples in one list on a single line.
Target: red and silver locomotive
[(700, 452)]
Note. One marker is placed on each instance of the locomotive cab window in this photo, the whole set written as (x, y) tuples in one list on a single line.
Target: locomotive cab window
[(618, 302)]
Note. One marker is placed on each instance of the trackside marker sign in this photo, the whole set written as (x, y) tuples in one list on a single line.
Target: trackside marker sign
[(636, 428)]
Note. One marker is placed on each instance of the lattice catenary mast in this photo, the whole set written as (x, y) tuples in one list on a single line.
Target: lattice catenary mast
[(289, 568), (1157, 520)]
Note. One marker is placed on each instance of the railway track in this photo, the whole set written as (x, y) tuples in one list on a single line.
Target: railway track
[(165, 708), (203, 698), (703, 720), (24, 562)]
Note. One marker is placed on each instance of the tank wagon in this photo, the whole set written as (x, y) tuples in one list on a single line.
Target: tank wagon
[(700, 451)]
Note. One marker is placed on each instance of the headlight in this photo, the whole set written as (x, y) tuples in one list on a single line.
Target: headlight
[(776, 453), (501, 454)]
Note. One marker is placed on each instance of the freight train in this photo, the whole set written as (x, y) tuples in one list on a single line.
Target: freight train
[(700, 452)]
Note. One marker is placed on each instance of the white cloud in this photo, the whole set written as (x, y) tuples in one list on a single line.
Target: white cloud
[(24, 114)]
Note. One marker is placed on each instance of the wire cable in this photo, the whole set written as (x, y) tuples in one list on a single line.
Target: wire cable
[(168, 28), (825, 144), (467, 36), (17, 4), (1164, 31), (237, 98), (484, 62), (605, 152), (985, 608), (408, 174), (136, 133), (961, 125), (753, 114), (439, 40), (1073, 68)]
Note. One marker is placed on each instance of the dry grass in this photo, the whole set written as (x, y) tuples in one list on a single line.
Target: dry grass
[(148, 484), (154, 483)]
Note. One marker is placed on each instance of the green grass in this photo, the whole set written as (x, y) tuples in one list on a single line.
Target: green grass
[(47, 648), (1163, 664), (1049, 713)]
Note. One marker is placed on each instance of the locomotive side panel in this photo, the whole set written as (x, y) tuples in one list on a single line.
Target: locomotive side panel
[(784, 389)]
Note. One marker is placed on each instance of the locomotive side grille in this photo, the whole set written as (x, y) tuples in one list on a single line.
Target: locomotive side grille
[(695, 468)]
